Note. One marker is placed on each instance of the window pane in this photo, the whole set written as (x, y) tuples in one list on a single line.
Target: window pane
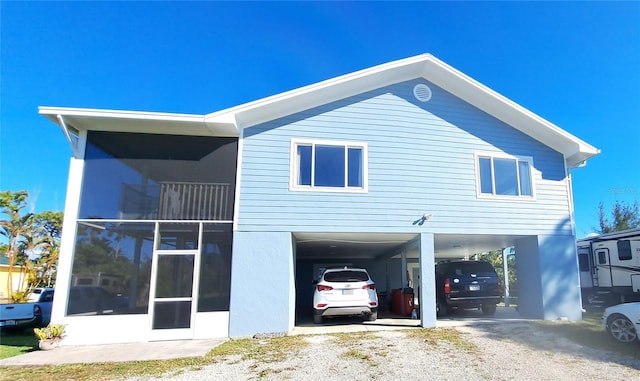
[(304, 165), (171, 315), (583, 262), (486, 185), (525, 178), (111, 268), (215, 268), (624, 250), (346, 276), (329, 166), (175, 276), (602, 257), (178, 236), (355, 167), (506, 177), (143, 176)]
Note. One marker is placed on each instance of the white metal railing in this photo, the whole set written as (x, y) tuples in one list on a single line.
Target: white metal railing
[(194, 201)]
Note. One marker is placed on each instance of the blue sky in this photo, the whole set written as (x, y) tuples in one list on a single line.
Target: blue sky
[(576, 64)]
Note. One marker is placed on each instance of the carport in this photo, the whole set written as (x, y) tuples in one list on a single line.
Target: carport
[(392, 259), (380, 253)]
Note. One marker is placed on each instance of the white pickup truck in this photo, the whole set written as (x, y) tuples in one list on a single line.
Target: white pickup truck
[(35, 313)]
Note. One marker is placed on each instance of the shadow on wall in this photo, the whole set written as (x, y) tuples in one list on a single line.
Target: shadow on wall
[(559, 283), (460, 114), (561, 277)]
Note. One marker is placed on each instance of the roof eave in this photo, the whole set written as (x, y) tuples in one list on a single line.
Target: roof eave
[(135, 121), (304, 98), (422, 66), (228, 122), (495, 104), (579, 158)]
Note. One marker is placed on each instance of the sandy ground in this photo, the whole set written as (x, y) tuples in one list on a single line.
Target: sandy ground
[(510, 351)]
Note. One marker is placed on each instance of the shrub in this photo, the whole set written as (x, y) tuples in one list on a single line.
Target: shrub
[(52, 331)]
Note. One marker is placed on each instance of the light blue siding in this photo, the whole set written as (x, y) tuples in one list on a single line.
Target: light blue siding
[(420, 159)]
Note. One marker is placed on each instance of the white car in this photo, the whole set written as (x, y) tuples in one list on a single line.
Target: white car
[(345, 292), (622, 322)]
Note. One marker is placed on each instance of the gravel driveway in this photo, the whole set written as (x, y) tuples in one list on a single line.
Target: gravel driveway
[(512, 351)]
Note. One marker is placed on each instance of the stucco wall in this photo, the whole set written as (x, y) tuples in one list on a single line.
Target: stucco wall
[(548, 278), (262, 284)]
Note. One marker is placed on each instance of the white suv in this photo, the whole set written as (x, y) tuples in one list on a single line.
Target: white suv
[(343, 292)]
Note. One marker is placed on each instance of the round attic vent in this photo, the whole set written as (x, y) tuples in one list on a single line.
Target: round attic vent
[(422, 92)]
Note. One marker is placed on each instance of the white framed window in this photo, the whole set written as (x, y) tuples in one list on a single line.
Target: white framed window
[(330, 166), (504, 176)]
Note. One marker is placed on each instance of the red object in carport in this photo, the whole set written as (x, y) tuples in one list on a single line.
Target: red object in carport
[(402, 298)]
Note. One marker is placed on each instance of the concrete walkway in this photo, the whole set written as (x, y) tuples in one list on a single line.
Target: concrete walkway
[(157, 350), (162, 350), (389, 321)]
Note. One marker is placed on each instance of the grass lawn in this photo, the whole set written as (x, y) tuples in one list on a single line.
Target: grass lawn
[(14, 343)]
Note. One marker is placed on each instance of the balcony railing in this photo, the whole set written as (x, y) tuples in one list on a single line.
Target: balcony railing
[(177, 201), (195, 201)]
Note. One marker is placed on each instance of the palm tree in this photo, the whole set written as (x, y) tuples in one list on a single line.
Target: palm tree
[(17, 228), (50, 224)]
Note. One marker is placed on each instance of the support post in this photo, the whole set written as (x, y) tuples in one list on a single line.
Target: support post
[(505, 269)]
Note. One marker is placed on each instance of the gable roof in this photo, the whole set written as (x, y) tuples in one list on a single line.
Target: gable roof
[(230, 121)]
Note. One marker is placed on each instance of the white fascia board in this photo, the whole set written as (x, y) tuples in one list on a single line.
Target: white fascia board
[(135, 121), (119, 114), (425, 66), (504, 109), (303, 98), (225, 122)]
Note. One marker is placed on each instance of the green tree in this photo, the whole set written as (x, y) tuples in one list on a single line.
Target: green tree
[(33, 241), (42, 267), (623, 217), (495, 258), (16, 228)]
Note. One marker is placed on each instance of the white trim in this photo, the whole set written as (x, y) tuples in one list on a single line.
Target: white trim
[(294, 166), (153, 279), (195, 292), (73, 143), (502, 155), (98, 220), (236, 202), (69, 231), (173, 333), (119, 114), (423, 66), (138, 121), (177, 252), (569, 184)]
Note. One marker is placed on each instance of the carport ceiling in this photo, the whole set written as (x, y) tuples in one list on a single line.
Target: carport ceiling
[(380, 245), (461, 245), (349, 245)]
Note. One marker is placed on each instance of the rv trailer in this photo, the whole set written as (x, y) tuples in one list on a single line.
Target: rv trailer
[(610, 268)]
